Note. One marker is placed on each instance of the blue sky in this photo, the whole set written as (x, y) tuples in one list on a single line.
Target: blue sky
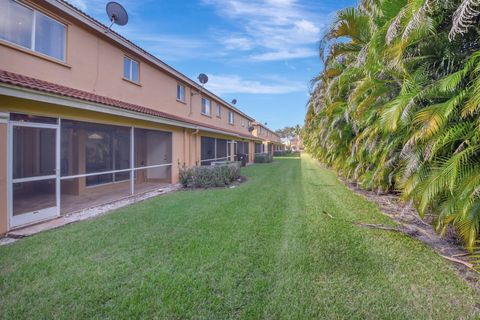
[(261, 52)]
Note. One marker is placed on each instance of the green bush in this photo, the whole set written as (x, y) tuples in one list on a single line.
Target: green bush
[(185, 176), (263, 158), (210, 176)]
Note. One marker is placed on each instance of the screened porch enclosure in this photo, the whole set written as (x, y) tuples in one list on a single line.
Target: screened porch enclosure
[(258, 148), (59, 166), (98, 162), (242, 149), (214, 150)]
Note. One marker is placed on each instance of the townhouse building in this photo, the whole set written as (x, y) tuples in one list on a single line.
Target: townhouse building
[(88, 117), (270, 143)]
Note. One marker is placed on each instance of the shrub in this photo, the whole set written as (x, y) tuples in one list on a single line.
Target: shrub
[(185, 176), (263, 158), (210, 176)]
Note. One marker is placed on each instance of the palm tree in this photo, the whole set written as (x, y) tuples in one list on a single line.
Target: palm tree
[(397, 105)]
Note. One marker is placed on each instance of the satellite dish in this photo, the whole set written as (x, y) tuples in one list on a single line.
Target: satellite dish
[(203, 78), (117, 14), (234, 101), (250, 129)]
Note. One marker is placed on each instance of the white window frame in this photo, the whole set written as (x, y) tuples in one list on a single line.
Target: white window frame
[(130, 72), (231, 117), (243, 122), (208, 107), (179, 92), (33, 34), (219, 110)]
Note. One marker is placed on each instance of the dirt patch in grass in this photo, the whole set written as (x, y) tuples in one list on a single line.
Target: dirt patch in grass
[(410, 223)]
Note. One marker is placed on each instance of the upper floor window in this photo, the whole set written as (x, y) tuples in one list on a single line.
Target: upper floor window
[(32, 30), (243, 123), (130, 69), (206, 107), (180, 92), (219, 110), (231, 116)]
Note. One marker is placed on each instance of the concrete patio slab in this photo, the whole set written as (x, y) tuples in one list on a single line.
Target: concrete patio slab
[(84, 214)]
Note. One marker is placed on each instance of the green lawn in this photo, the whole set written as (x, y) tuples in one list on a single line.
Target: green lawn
[(262, 250)]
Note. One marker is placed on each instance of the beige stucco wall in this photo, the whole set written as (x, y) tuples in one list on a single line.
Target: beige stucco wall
[(3, 178), (266, 134), (94, 63)]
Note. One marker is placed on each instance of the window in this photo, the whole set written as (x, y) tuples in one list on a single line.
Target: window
[(219, 110), (206, 107), (32, 30), (180, 92), (130, 69), (231, 117), (243, 123)]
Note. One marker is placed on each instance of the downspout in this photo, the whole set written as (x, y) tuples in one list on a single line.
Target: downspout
[(196, 145), (184, 146)]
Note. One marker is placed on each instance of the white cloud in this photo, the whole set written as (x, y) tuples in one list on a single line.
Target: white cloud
[(265, 30), (229, 84), (282, 29), (284, 55), (80, 4), (96, 8), (237, 43), (307, 28), (173, 48)]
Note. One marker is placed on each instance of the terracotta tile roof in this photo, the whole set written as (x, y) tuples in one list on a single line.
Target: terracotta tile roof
[(22, 81)]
